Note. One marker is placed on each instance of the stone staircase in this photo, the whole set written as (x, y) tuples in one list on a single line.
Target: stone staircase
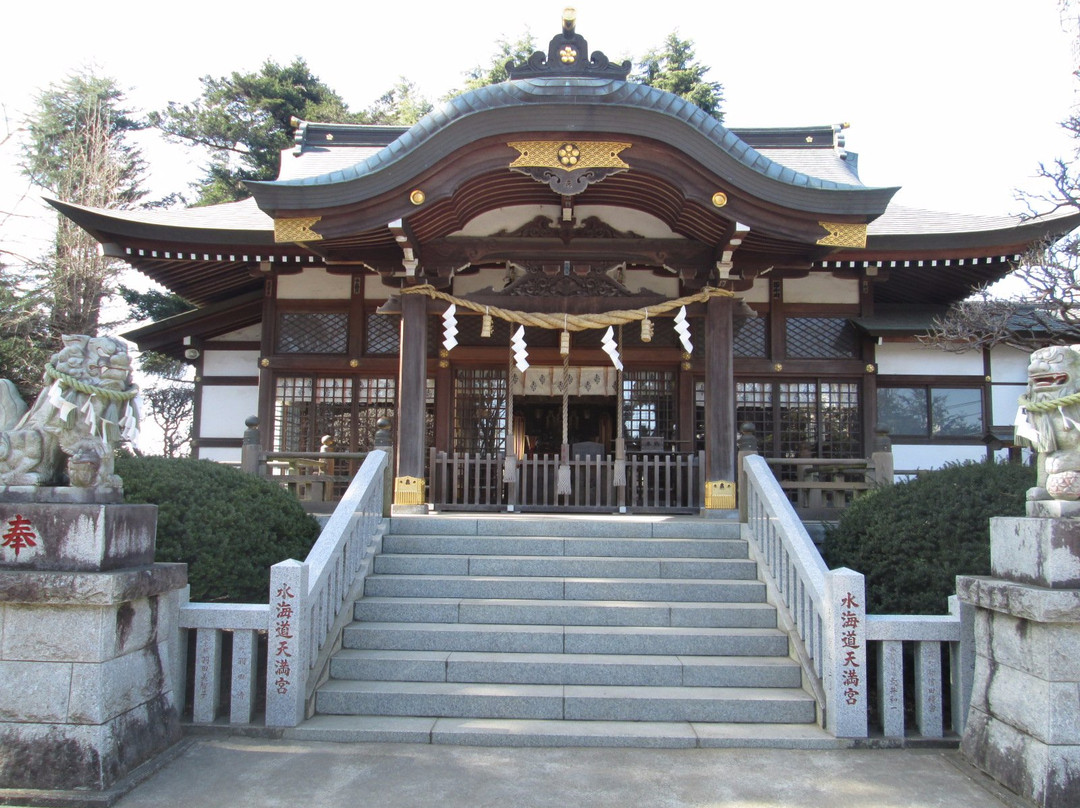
[(565, 631)]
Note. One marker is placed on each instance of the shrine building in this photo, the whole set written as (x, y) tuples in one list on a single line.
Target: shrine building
[(570, 268)]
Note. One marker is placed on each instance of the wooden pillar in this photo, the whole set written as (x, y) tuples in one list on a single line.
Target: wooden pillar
[(719, 405), (412, 382)]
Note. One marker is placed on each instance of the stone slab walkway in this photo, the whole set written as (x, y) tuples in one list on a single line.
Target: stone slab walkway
[(241, 772)]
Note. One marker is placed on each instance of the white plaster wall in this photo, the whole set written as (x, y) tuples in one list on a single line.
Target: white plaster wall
[(821, 288), (509, 218), (481, 279), (758, 293), (912, 359), (230, 363), (223, 410), (220, 455), (251, 332), (374, 289), (513, 217), (625, 219), (645, 280), (314, 284), (1004, 400), (1009, 364), (907, 457)]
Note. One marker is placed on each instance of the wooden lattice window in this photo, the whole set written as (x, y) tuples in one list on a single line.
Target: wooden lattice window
[(750, 337), (648, 404), (480, 410), (382, 334), (313, 332), (821, 338), (813, 418)]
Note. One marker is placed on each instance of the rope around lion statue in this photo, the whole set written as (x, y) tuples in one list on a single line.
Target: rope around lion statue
[(116, 396)]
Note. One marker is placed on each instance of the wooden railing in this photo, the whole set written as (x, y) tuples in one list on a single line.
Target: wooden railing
[(668, 482), (315, 478), (300, 624), (824, 612), (820, 489)]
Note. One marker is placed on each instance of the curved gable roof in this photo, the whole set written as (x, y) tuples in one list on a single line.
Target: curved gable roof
[(574, 104)]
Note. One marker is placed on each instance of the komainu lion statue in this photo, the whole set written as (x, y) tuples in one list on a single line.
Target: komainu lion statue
[(1049, 421), (69, 434)]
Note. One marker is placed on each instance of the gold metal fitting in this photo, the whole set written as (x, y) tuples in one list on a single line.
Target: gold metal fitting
[(418, 197), (719, 199), (777, 367), (354, 363), (870, 368), (443, 353), (264, 363)]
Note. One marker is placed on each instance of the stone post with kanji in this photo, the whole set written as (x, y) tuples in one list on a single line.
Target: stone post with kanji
[(845, 677)]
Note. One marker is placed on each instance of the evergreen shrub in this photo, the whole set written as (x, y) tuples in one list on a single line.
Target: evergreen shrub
[(227, 526), (913, 538)]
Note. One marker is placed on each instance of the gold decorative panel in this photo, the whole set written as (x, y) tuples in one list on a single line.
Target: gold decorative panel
[(844, 234), (296, 229), (720, 495), (568, 155), (408, 491)]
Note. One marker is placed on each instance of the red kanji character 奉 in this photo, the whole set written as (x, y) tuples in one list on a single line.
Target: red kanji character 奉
[(20, 534)]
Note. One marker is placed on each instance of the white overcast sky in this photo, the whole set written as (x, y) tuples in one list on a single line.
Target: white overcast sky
[(957, 101)]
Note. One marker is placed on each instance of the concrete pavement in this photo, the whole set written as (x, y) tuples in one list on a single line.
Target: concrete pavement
[(240, 772)]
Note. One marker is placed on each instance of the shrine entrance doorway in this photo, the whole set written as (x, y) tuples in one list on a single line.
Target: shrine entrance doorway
[(590, 424)]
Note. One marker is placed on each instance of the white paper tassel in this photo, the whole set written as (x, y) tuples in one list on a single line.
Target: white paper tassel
[(562, 485), (56, 398), (521, 353), (611, 348), (682, 328), (450, 330)]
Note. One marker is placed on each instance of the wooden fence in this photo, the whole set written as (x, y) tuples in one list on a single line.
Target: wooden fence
[(655, 483)]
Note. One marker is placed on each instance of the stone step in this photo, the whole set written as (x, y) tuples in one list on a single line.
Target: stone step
[(534, 524), (491, 586), (566, 546), (564, 566), (577, 669), (564, 612), (568, 702), (566, 639), (511, 732)]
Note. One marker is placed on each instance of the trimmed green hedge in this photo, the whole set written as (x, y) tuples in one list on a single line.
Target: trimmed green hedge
[(227, 526), (912, 539)]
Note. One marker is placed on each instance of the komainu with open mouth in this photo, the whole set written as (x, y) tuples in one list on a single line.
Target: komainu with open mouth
[(67, 437), (1049, 421)]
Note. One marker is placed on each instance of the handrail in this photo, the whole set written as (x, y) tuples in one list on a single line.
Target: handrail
[(307, 597), (302, 619), (825, 613)]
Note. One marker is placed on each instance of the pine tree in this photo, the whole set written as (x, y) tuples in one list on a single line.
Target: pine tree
[(674, 68), (77, 150)]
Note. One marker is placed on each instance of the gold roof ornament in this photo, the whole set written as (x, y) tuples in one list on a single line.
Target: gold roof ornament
[(844, 234)]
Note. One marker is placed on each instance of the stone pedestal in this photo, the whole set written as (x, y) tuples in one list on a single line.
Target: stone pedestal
[(88, 633), (1024, 723)]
